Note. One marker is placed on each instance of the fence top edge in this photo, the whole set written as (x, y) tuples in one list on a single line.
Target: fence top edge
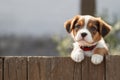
[(32, 57), (46, 56)]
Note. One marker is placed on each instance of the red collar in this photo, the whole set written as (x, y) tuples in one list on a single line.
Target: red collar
[(85, 48)]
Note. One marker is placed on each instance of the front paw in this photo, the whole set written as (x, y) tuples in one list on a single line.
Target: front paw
[(97, 59), (77, 55)]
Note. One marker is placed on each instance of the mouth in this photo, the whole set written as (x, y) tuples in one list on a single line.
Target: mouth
[(86, 43), (88, 48)]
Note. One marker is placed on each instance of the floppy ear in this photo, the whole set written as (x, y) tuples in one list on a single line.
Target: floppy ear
[(69, 24), (104, 28)]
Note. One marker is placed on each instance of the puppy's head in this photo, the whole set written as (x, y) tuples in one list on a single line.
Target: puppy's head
[(87, 28)]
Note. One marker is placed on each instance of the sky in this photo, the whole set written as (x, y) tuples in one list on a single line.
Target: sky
[(45, 17)]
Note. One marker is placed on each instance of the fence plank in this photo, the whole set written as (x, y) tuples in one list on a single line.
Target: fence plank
[(54, 68), (113, 68), (15, 68), (64, 69), (91, 71), (58, 68), (34, 69), (1, 69), (77, 71)]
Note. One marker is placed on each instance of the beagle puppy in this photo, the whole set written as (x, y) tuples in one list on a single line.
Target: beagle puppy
[(88, 33)]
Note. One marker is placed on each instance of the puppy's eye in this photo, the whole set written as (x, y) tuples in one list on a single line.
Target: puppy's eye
[(93, 29), (77, 26)]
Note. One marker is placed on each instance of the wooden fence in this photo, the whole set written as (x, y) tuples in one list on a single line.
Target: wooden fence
[(58, 68)]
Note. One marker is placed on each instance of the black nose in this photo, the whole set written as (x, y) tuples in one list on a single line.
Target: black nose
[(83, 34)]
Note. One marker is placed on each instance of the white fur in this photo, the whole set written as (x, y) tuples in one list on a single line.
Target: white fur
[(88, 38), (102, 44), (96, 59), (88, 53), (78, 54)]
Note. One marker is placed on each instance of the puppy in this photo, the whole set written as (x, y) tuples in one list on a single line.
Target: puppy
[(88, 32)]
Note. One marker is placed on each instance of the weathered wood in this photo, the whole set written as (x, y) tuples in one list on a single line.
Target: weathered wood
[(15, 68), (91, 71), (113, 68), (1, 69), (34, 69), (62, 68), (77, 74), (58, 68), (54, 68)]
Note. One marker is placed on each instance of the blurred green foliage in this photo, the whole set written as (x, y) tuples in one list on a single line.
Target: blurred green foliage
[(64, 45), (113, 39)]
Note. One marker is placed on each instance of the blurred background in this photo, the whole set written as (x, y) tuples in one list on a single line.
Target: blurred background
[(35, 27)]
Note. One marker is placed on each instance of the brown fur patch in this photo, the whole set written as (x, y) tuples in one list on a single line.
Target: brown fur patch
[(79, 25), (67, 25), (93, 28), (81, 22), (104, 28), (96, 37), (101, 51), (74, 32)]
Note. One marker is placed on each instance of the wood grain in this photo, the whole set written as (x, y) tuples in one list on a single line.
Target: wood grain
[(58, 68), (91, 71), (50, 68), (113, 68), (15, 68), (1, 69)]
